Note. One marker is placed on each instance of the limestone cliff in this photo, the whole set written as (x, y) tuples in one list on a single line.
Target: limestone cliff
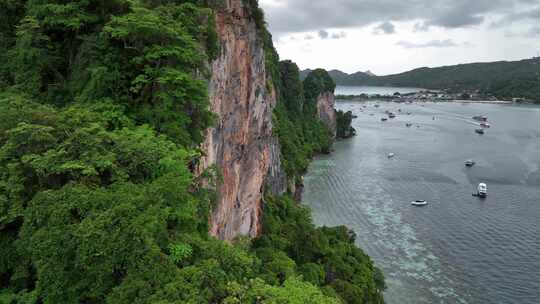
[(326, 110), (241, 144)]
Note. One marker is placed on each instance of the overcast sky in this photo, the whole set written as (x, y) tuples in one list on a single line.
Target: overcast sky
[(392, 36)]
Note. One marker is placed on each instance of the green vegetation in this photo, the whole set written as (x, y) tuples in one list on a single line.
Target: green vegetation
[(102, 106), (325, 257), (300, 132), (344, 121), (503, 79), (317, 82)]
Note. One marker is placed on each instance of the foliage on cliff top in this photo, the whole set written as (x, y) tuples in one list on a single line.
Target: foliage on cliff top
[(318, 81), (148, 57), (300, 132), (344, 124)]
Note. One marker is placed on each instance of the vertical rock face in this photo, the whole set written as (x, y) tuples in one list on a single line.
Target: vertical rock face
[(276, 179), (326, 111), (241, 145)]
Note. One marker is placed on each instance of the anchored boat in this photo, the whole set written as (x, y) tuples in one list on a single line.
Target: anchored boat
[(470, 163), (482, 190), (480, 118), (419, 203)]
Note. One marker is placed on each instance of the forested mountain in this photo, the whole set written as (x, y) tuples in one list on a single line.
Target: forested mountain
[(342, 78), (103, 109), (504, 79)]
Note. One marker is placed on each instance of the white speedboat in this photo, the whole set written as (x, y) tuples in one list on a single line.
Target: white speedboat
[(470, 163), (482, 190), (391, 155), (419, 203)]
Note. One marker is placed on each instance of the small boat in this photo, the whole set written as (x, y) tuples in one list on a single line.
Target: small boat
[(470, 163), (409, 113), (480, 118), (485, 125), (409, 125), (480, 131), (391, 155), (376, 106), (392, 115), (419, 203), (482, 190), (384, 119)]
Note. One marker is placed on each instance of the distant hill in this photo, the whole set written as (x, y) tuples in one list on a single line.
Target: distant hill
[(342, 78), (504, 79)]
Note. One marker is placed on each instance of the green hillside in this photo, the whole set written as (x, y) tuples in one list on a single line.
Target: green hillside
[(504, 79)]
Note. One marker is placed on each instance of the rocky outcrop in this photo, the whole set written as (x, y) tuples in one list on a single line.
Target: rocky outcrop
[(241, 145), (326, 111)]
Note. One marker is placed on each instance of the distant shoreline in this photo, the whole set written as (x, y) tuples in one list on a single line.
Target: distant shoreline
[(436, 101), (485, 101), (391, 99)]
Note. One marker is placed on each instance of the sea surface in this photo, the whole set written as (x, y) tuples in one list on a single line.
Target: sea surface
[(372, 90), (458, 249)]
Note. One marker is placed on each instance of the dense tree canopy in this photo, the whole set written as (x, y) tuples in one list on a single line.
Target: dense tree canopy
[(317, 82), (102, 107), (300, 132), (344, 121)]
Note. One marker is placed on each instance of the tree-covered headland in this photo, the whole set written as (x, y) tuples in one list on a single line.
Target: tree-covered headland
[(102, 107)]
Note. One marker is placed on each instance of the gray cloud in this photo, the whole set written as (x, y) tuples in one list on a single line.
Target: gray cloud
[(519, 16), (534, 32), (421, 27), (339, 35), (292, 16), (430, 44), (323, 34), (386, 27)]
